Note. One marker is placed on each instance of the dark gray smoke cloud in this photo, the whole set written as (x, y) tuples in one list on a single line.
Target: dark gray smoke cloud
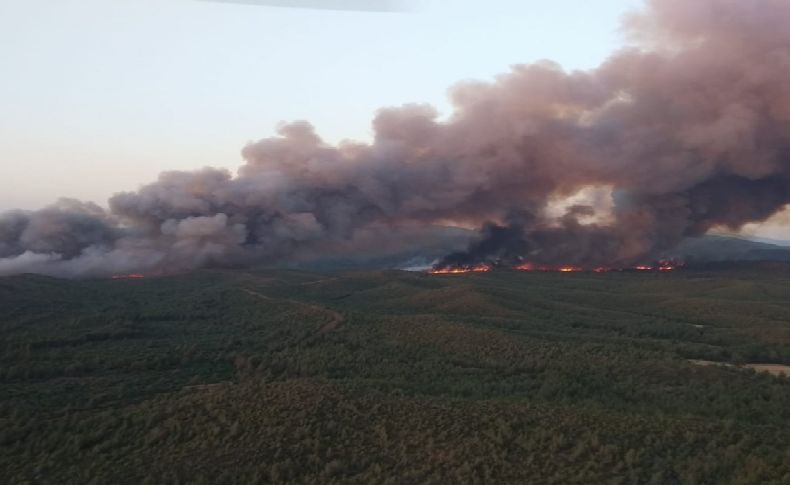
[(685, 129)]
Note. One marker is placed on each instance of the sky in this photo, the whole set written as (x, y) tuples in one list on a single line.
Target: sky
[(99, 96)]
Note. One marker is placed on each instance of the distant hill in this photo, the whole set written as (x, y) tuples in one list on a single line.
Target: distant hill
[(709, 249), (437, 242)]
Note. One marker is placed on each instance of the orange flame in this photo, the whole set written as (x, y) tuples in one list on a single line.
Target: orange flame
[(480, 268), (526, 267), (560, 269), (133, 276), (534, 267), (667, 266), (570, 269), (662, 266)]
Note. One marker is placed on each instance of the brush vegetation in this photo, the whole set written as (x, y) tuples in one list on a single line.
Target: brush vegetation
[(394, 377)]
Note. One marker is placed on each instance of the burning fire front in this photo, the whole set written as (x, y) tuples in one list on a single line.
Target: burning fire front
[(659, 266)]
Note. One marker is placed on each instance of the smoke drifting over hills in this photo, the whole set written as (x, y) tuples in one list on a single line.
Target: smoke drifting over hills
[(686, 129)]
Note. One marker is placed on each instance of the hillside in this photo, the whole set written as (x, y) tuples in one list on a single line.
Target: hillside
[(393, 377), (701, 250), (726, 248)]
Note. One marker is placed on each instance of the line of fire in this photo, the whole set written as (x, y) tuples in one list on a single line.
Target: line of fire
[(658, 266)]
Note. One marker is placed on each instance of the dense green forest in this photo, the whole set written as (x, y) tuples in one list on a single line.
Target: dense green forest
[(396, 377)]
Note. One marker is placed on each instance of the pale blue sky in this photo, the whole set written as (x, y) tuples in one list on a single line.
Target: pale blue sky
[(99, 96)]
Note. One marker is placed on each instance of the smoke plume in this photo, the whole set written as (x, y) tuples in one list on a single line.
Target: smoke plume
[(685, 129)]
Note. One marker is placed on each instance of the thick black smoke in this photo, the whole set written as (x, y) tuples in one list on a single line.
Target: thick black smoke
[(684, 130)]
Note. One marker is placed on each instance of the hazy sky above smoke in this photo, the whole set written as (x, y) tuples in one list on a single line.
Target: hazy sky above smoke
[(344, 5), (99, 96)]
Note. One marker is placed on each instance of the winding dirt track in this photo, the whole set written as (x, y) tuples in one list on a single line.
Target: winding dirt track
[(773, 369), (337, 319)]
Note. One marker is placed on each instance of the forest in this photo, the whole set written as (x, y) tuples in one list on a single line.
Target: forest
[(277, 376)]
